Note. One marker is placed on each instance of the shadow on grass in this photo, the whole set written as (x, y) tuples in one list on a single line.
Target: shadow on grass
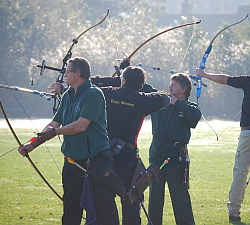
[(238, 223)]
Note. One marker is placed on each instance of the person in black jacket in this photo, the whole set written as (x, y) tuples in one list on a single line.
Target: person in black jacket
[(126, 110)]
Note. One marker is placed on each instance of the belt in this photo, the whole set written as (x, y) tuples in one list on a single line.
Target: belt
[(134, 147), (174, 143), (131, 146), (245, 128)]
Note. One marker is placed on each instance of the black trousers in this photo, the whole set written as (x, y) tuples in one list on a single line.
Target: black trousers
[(72, 179), (105, 200), (172, 173), (125, 171)]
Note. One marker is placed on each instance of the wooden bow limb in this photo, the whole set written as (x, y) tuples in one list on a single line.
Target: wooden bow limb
[(27, 155), (165, 31)]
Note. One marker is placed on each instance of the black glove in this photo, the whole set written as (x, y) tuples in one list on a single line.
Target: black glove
[(124, 64)]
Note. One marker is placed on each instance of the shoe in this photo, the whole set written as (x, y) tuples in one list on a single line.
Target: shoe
[(234, 218)]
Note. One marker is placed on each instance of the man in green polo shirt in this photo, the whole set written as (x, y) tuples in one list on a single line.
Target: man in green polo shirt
[(171, 134), (81, 119)]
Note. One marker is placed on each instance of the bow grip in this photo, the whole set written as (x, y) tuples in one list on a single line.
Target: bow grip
[(199, 85)]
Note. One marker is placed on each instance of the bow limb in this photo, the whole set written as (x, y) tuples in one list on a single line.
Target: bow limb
[(68, 55), (217, 137), (207, 52), (27, 155), (69, 52), (226, 28), (205, 56), (76, 40), (202, 66), (165, 31), (62, 71)]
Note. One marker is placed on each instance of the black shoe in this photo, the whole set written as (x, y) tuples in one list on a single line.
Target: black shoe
[(234, 218)]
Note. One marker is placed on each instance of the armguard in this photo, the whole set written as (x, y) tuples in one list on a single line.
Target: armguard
[(37, 142), (44, 136)]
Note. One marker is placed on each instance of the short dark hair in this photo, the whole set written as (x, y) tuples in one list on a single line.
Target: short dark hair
[(82, 65), (134, 76), (184, 81)]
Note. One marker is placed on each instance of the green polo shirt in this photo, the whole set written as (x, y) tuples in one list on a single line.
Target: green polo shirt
[(88, 103), (173, 123)]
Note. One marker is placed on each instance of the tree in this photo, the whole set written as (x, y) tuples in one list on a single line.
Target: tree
[(32, 32)]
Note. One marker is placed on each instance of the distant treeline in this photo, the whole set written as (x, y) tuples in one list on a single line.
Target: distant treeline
[(31, 32)]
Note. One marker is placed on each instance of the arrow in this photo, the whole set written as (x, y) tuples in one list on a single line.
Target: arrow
[(70, 160)]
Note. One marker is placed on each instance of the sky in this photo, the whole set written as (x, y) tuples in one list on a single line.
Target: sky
[(207, 6)]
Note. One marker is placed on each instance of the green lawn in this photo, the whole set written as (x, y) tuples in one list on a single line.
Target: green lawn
[(25, 199)]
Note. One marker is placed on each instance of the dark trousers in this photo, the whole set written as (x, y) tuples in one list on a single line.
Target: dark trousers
[(105, 205), (105, 200), (72, 179), (125, 171), (106, 208), (172, 173)]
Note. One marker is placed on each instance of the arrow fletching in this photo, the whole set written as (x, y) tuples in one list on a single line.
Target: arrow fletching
[(165, 162), (70, 160)]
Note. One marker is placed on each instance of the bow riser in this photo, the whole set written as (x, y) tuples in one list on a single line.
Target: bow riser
[(207, 52), (204, 58)]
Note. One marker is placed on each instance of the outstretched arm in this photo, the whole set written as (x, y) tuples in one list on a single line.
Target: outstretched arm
[(218, 78)]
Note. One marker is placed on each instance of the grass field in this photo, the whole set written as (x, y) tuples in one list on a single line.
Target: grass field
[(25, 199)]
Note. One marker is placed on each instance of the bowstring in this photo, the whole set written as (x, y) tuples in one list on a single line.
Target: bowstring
[(30, 121), (190, 41), (229, 124), (113, 35)]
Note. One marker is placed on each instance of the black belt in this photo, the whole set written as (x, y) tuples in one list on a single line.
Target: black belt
[(245, 128), (134, 147), (174, 143), (131, 146)]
